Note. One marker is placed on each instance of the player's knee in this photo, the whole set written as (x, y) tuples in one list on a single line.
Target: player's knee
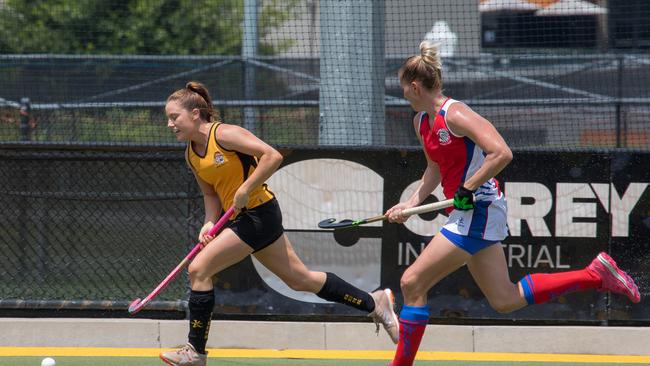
[(503, 306), (410, 284), (197, 272), (506, 299)]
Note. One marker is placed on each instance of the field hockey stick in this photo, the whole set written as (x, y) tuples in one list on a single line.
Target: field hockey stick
[(137, 304), (347, 223)]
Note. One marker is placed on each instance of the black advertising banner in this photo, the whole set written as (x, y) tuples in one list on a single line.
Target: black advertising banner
[(630, 234), (563, 209)]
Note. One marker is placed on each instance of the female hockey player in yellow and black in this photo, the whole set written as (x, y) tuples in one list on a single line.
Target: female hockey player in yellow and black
[(231, 165)]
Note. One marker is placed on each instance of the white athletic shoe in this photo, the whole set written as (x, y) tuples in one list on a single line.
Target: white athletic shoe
[(185, 356), (384, 313)]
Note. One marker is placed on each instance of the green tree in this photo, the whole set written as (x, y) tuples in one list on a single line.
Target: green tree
[(178, 27)]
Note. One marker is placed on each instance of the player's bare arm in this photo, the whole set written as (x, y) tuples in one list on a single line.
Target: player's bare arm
[(463, 121), (236, 138), (429, 181), (431, 176), (211, 203)]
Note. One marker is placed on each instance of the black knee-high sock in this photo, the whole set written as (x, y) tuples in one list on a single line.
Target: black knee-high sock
[(337, 290), (201, 305)]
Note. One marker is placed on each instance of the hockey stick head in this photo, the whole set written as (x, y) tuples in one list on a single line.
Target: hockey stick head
[(332, 224), (135, 306)]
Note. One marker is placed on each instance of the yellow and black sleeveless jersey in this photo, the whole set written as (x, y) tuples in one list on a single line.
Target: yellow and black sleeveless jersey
[(226, 170)]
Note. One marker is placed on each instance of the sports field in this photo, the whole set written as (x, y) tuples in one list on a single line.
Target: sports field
[(70, 356), (146, 361), (123, 361)]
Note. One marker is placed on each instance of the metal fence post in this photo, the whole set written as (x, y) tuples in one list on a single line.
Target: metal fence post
[(25, 119), (621, 138), (249, 51)]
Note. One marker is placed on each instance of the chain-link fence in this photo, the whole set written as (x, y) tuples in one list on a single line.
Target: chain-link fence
[(528, 98), (94, 225), (324, 72), (93, 229)]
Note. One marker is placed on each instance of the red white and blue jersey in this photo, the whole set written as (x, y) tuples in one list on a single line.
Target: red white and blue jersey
[(458, 158)]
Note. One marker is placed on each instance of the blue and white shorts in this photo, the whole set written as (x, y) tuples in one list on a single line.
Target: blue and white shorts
[(479, 228)]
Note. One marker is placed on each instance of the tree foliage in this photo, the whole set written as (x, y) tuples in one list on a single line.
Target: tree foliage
[(179, 27)]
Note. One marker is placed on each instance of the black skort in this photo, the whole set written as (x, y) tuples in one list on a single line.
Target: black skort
[(259, 226)]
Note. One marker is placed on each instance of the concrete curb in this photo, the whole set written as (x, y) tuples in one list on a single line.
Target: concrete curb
[(143, 333)]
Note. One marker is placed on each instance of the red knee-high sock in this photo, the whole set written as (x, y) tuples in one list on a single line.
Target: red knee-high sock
[(412, 323), (542, 287), (410, 336)]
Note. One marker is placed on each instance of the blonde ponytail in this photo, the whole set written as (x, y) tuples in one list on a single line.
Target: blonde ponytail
[(425, 67), (430, 54)]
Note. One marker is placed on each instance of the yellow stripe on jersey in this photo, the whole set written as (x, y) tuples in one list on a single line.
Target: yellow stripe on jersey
[(226, 170)]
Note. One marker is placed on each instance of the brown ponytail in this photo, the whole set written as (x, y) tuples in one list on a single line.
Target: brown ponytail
[(196, 95)]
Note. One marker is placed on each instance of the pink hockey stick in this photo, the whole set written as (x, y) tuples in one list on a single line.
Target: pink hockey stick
[(137, 304)]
